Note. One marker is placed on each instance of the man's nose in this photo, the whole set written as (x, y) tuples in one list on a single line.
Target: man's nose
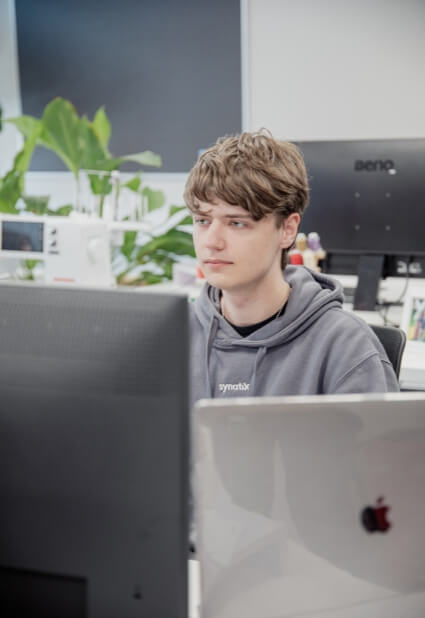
[(215, 237)]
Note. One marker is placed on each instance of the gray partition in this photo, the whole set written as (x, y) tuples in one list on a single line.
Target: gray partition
[(167, 71)]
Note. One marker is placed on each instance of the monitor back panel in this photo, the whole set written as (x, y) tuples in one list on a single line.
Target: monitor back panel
[(366, 196), (93, 449)]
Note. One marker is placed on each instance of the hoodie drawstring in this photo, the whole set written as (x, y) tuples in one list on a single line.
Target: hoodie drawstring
[(261, 352), (212, 331)]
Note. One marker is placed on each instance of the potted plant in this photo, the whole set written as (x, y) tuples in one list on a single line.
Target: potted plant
[(83, 146)]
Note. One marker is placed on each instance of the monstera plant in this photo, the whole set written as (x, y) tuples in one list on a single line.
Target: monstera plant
[(83, 145)]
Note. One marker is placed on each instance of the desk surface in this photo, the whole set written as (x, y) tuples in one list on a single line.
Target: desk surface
[(194, 589), (412, 372)]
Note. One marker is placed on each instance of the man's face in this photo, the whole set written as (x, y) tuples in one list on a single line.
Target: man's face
[(235, 252)]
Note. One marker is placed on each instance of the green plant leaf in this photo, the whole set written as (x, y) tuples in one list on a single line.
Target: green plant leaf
[(61, 132), (186, 221), (174, 241), (151, 278), (165, 262), (145, 252), (11, 187), (62, 211), (36, 204), (72, 138), (102, 165), (129, 244), (100, 184), (27, 268), (30, 264), (133, 184), (144, 158), (27, 125), (93, 155), (12, 184), (155, 199), (22, 160), (176, 209), (168, 269), (102, 127), (183, 243)]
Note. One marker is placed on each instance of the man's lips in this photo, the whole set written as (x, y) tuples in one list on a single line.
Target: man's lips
[(213, 262)]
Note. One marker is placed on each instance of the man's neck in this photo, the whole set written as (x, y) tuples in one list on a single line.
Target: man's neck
[(251, 307)]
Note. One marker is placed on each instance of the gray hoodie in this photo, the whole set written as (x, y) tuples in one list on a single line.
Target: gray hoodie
[(313, 348)]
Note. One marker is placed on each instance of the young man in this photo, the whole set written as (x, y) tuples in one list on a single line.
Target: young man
[(261, 327)]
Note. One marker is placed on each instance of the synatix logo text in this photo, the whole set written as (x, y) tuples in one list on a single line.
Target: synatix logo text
[(241, 386)]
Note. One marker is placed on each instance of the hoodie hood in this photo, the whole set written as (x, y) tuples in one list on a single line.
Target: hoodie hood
[(313, 348), (312, 295), (315, 294)]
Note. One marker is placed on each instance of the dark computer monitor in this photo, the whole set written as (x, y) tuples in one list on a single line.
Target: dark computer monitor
[(94, 448), (367, 203)]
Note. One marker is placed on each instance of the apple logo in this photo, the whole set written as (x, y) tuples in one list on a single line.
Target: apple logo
[(374, 518)]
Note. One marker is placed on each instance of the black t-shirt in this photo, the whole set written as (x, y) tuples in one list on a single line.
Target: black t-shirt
[(245, 331)]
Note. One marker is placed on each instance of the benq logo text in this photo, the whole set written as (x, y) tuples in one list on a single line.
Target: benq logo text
[(377, 165)]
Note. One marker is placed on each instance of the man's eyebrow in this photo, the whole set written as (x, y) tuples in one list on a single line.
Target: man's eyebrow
[(237, 216), (206, 213)]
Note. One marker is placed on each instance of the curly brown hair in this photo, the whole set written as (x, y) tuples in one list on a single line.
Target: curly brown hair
[(252, 170)]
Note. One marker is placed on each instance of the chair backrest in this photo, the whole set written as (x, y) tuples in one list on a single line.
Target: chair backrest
[(393, 341)]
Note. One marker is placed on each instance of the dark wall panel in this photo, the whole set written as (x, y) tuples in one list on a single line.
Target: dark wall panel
[(167, 71)]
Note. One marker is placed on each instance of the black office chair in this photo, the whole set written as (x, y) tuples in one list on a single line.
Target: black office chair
[(393, 341)]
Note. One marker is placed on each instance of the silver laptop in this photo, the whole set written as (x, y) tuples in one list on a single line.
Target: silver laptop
[(311, 506)]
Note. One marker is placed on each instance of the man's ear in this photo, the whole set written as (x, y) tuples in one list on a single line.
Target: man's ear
[(289, 230)]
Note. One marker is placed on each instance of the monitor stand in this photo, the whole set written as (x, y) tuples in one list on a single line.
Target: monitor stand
[(369, 275)]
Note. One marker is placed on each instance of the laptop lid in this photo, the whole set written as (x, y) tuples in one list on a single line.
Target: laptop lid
[(311, 506)]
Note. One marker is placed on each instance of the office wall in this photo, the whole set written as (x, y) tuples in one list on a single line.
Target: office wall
[(167, 71), (336, 69), (9, 83), (311, 69)]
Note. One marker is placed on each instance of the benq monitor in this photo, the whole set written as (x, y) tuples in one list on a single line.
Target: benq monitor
[(94, 447), (367, 203)]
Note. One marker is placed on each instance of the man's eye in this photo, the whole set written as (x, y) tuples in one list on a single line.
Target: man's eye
[(201, 221), (238, 224)]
